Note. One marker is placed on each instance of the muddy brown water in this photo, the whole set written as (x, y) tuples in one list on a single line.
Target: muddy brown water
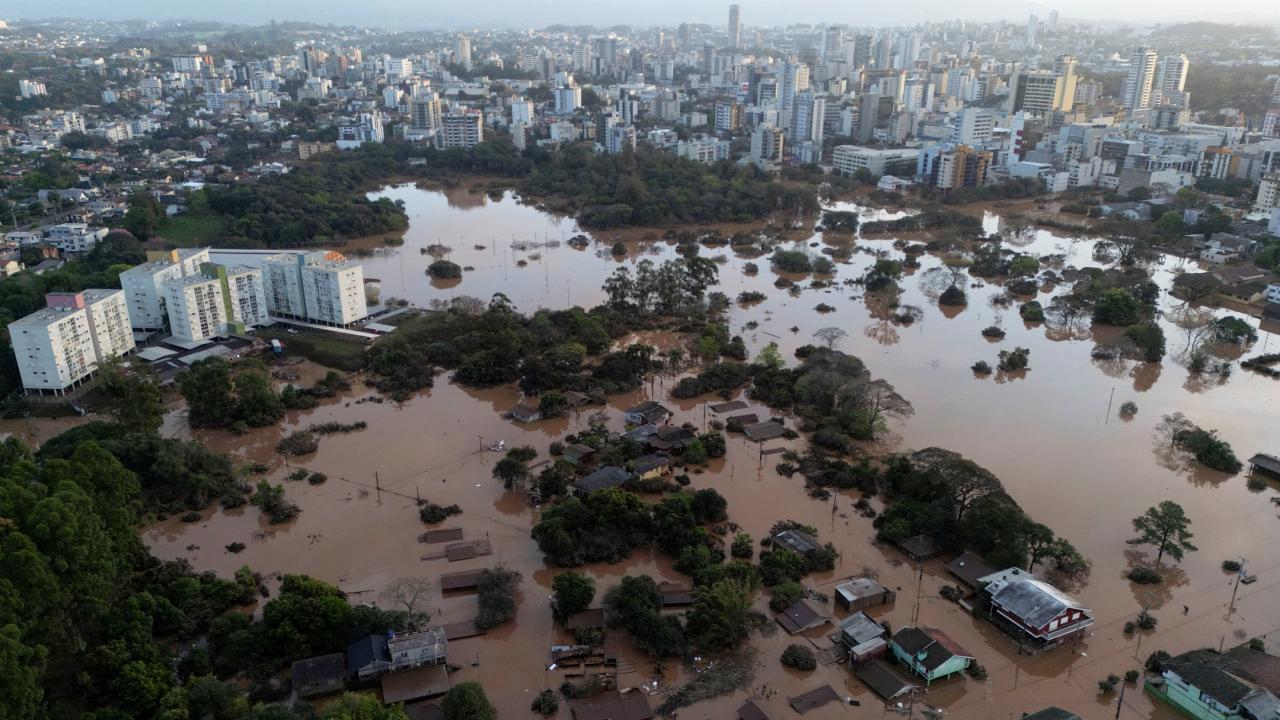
[(1051, 434)]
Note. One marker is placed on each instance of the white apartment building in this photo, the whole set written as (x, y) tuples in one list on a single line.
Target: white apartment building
[(366, 128), (195, 307), (190, 64), (282, 283), (974, 126), (849, 159), (245, 295), (75, 237), (567, 99), (808, 116), (522, 111), (333, 291), (766, 143), (31, 88), (1138, 86), (704, 150), (109, 322), (1268, 194), (143, 285), (58, 347), (461, 129)]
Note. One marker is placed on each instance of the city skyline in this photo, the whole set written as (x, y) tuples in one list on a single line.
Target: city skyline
[(770, 13)]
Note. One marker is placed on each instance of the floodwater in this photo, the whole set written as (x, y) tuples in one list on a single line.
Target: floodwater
[(1052, 434)]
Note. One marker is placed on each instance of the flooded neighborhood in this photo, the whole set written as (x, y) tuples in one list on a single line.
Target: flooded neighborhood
[(1052, 434)]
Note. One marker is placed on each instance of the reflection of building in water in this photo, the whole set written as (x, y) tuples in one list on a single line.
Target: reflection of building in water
[(464, 198)]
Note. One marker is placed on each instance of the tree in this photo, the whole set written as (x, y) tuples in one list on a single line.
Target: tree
[(362, 707), (573, 594), (1039, 540), (1167, 527), (799, 657), (720, 613), (496, 596), (770, 358), (830, 336), (1117, 307), (467, 701), (410, 592)]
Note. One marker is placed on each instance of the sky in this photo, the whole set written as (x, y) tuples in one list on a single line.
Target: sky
[(417, 14)]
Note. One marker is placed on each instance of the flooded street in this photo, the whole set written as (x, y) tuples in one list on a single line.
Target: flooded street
[(1052, 435)]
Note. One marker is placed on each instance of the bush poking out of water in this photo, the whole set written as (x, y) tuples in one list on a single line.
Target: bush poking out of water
[(1128, 409), (271, 501), (953, 296), (981, 368), (991, 331), (1130, 627), (1144, 575), (1231, 566), (431, 513), (1015, 359), (799, 657), (330, 428), (444, 270), (824, 308), (317, 478), (1032, 311), (546, 703), (235, 548), (1146, 621), (301, 442), (1131, 676), (1108, 686), (976, 671), (1255, 483)]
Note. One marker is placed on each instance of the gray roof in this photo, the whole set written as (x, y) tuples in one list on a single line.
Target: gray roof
[(1033, 601), (606, 477), (881, 678), (969, 567), (858, 588), (1267, 462), (796, 541), (859, 628), (1052, 713), (931, 647), (365, 652), (651, 462)]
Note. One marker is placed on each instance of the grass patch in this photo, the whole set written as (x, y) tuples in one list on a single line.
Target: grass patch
[(731, 673), (322, 349), (189, 228)]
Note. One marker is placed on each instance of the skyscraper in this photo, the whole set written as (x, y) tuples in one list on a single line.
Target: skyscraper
[(735, 26), (808, 117), (1142, 73), (462, 52), (1171, 81)]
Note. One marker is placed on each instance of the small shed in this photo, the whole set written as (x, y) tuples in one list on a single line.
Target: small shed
[(751, 710), (465, 580), (1265, 464), (797, 541), (767, 430), (415, 684), (675, 595), (814, 699), (610, 476), (883, 680), (920, 547), (864, 637), (526, 413), (672, 438), (317, 676), (725, 407), (862, 593), (577, 453), (969, 568), (801, 616), (612, 706), (652, 466)]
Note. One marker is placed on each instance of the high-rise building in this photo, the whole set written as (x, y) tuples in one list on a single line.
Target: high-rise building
[(728, 116), (461, 129), (795, 80), (367, 127), (860, 51), (143, 285), (974, 126), (833, 43), (766, 143), (1170, 83), (567, 99), (873, 112), (61, 346), (424, 112), (808, 115), (955, 166), (196, 308), (1042, 92), (462, 51), (333, 290), (1136, 94), (522, 111), (735, 26), (619, 139)]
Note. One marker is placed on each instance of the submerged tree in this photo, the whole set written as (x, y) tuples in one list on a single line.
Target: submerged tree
[(830, 336), (1167, 527)]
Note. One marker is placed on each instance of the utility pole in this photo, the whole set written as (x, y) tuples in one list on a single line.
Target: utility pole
[(377, 484), (1239, 574), (1120, 700)]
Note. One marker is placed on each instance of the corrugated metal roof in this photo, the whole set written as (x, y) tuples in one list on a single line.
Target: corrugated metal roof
[(1033, 601)]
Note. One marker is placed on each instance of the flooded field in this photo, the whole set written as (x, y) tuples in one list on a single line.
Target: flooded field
[(1052, 435)]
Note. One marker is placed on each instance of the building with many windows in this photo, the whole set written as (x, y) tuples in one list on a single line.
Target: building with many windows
[(849, 159), (196, 308), (143, 284), (318, 286), (61, 346), (461, 129)]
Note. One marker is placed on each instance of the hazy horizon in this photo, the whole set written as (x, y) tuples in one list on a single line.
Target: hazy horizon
[(540, 13)]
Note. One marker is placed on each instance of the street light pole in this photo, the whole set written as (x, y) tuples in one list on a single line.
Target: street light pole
[(1239, 574)]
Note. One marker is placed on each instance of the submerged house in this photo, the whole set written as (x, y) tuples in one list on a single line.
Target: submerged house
[(609, 476), (1208, 685), (929, 653), (862, 593), (649, 411), (1034, 612), (376, 655), (864, 637)]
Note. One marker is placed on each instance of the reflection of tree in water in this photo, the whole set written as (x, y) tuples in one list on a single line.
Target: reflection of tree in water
[(1154, 596), (883, 332), (1004, 376), (935, 281), (1145, 376), (1201, 382), (1067, 318), (1173, 458), (1018, 231), (1112, 365)]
